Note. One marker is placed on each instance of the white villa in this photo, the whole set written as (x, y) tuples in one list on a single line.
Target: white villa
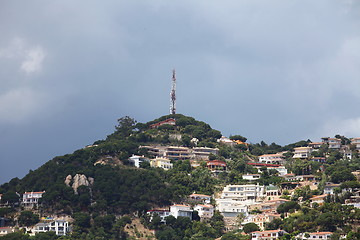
[(60, 227), (31, 199), (302, 152), (136, 160)]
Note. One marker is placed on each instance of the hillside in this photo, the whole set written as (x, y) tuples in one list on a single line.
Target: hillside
[(101, 190)]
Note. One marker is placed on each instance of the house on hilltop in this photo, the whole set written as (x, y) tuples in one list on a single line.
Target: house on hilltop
[(170, 121)]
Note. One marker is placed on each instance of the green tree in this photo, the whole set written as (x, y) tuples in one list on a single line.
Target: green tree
[(82, 220), (250, 227), (28, 218), (126, 126), (10, 197), (238, 137), (288, 206)]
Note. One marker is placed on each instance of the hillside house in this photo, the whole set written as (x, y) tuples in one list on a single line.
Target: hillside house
[(260, 219), (329, 188), (356, 142), (163, 163), (267, 235), (251, 177), (318, 199), (216, 166), (177, 153), (302, 152), (281, 170), (226, 141), (6, 230), (318, 159), (277, 158), (205, 211), (60, 227), (316, 235), (334, 143), (137, 160), (272, 192), (178, 210), (250, 193), (162, 213), (203, 153), (200, 197), (169, 121), (268, 206), (31, 199), (231, 208), (316, 145)]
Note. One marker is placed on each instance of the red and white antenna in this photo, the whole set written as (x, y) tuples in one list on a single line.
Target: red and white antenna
[(173, 94)]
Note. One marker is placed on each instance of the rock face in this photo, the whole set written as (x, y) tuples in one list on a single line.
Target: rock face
[(78, 180), (68, 180)]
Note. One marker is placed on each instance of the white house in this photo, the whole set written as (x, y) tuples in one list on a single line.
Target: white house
[(6, 230), (31, 199), (179, 210), (281, 169), (277, 158), (250, 193), (200, 197), (162, 213), (136, 160), (60, 227), (302, 152), (267, 235), (329, 188), (316, 235), (231, 207), (334, 143), (251, 177), (226, 141), (204, 211)]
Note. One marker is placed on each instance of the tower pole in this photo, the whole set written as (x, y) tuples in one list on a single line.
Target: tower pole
[(173, 94)]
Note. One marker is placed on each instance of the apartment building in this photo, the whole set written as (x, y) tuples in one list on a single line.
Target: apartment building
[(252, 192), (161, 163)]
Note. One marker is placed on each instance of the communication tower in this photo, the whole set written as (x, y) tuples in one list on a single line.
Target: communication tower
[(173, 94)]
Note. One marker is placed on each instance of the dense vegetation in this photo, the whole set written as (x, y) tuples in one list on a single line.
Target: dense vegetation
[(119, 190)]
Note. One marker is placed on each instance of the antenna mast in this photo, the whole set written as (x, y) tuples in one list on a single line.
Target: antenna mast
[(173, 94)]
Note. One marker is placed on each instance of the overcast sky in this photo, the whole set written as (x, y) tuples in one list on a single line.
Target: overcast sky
[(279, 71)]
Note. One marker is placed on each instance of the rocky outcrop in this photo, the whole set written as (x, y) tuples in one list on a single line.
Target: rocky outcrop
[(78, 180), (68, 180)]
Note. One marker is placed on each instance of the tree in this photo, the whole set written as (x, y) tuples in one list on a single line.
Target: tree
[(238, 137), (82, 220), (250, 227), (27, 218), (126, 126), (10, 197), (287, 206)]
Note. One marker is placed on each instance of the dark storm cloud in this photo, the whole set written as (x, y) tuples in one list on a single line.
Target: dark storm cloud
[(269, 70)]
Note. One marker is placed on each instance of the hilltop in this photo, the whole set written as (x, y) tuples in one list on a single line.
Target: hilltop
[(99, 189)]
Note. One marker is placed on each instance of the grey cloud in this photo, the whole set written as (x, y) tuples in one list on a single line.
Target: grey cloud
[(269, 70)]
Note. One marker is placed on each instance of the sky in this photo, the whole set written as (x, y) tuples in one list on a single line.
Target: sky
[(273, 70)]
